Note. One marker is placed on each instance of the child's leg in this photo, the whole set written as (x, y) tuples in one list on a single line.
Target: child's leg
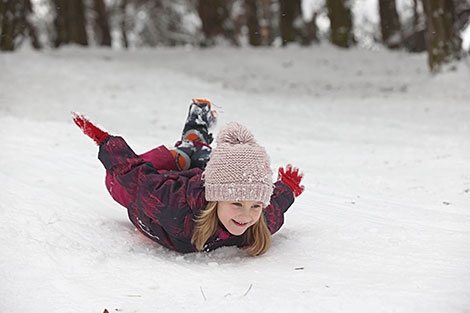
[(193, 150), (161, 159)]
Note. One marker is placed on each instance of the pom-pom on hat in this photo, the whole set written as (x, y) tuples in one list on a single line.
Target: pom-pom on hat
[(239, 168)]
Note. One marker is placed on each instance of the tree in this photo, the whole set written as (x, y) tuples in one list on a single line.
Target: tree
[(311, 29), (123, 23), (214, 15), (102, 30), (15, 25), (70, 23), (267, 22), (390, 24), (414, 30), (28, 25), (9, 22), (341, 32), (443, 42), (462, 14), (290, 11), (254, 32)]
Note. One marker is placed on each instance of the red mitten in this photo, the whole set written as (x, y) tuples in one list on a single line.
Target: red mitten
[(291, 178), (89, 129)]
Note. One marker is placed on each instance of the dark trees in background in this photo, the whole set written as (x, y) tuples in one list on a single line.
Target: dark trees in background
[(251, 15), (435, 25), (28, 27), (443, 41), (289, 10), (123, 23), (101, 26), (390, 24), (311, 29), (9, 20), (15, 24), (462, 14), (292, 25), (341, 28), (214, 15), (267, 22), (414, 33), (70, 23)]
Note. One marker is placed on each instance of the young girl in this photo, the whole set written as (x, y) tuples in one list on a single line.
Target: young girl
[(189, 198)]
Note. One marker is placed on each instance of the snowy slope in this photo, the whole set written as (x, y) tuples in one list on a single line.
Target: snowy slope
[(383, 226)]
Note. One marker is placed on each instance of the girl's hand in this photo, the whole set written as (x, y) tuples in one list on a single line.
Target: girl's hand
[(89, 129), (291, 178)]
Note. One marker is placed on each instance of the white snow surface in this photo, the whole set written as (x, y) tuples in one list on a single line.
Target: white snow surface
[(383, 225)]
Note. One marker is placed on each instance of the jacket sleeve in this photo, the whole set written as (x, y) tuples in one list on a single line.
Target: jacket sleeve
[(281, 200), (167, 198)]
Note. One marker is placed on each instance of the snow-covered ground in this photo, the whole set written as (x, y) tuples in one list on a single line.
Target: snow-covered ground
[(383, 226)]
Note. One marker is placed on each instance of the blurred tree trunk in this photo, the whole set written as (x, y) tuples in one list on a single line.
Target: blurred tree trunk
[(390, 24), (312, 29), (122, 9), (102, 30), (341, 32), (415, 15), (15, 25), (443, 42), (414, 31), (214, 16), (27, 12), (70, 22), (290, 11), (266, 23), (9, 21), (251, 12), (462, 14)]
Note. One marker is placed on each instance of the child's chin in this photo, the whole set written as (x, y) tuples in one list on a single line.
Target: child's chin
[(236, 230)]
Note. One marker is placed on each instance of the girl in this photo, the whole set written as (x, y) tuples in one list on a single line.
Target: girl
[(189, 198)]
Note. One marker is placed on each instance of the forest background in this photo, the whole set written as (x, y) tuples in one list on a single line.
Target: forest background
[(439, 27)]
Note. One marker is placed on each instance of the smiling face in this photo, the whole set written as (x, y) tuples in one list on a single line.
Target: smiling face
[(237, 216)]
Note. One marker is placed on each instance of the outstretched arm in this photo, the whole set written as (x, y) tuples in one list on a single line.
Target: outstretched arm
[(292, 178), (286, 189), (159, 196), (167, 198)]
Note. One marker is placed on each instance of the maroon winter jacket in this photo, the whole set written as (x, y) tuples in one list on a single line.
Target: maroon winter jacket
[(163, 203)]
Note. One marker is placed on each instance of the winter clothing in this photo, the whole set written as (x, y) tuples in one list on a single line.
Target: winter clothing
[(239, 168), (89, 129), (160, 158), (291, 178), (200, 118), (189, 154), (163, 204), (193, 149), (163, 201)]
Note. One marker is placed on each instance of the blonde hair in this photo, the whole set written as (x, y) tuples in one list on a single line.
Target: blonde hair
[(257, 236)]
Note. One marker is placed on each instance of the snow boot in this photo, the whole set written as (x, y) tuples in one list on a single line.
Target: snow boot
[(193, 149), (200, 118)]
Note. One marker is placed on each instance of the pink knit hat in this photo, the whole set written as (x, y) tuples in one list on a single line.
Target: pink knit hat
[(239, 168)]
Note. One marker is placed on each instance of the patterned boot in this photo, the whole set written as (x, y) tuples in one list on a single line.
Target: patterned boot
[(193, 150)]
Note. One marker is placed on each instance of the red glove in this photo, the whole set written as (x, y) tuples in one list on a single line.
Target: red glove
[(291, 178), (89, 129)]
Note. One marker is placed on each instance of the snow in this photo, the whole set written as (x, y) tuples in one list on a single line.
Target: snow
[(383, 226)]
